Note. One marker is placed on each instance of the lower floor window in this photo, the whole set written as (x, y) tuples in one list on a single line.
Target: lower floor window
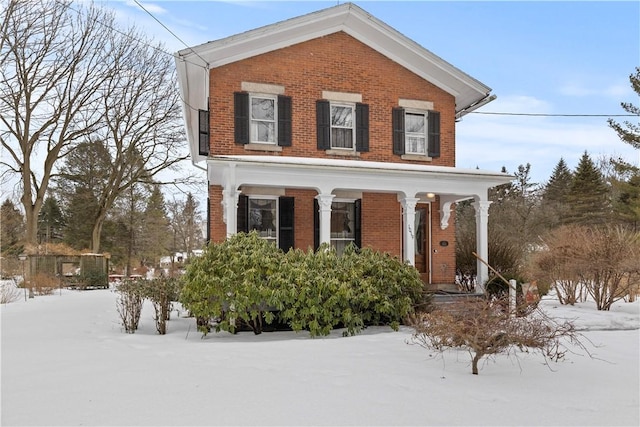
[(263, 217), (342, 225)]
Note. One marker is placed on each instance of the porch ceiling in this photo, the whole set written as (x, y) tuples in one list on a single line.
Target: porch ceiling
[(327, 175)]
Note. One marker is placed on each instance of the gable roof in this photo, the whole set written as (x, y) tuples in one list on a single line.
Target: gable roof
[(194, 63)]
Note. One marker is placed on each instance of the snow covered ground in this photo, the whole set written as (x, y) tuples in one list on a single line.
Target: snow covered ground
[(67, 361)]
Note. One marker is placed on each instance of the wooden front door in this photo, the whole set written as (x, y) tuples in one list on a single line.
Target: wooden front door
[(422, 241)]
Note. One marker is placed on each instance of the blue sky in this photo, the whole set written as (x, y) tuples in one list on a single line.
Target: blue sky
[(538, 57)]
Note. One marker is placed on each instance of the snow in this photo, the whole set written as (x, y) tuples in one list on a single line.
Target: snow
[(67, 361)]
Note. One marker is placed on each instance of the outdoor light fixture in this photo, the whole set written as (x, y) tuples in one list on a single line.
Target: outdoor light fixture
[(431, 195)]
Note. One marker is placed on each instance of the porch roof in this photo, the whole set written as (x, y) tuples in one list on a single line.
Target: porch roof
[(326, 175)]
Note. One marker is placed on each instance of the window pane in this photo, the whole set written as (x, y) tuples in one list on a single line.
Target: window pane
[(414, 123), (343, 220), (341, 138), (263, 131), (262, 217), (416, 145), (341, 116), (262, 109)]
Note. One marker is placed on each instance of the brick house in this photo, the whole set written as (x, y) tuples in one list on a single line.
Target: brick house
[(334, 127)]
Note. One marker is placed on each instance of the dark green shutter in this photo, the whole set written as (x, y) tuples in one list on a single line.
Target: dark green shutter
[(241, 116), (323, 124), (284, 121), (286, 238), (433, 122), (316, 224), (398, 130), (203, 132), (362, 127), (243, 214), (358, 223)]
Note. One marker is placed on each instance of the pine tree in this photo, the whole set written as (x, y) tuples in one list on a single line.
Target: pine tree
[(554, 195), (12, 228), (588, 196), (630, 135), (156, 236), (82, 206), (50, 222)]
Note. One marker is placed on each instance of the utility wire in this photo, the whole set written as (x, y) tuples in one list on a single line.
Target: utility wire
[(172, 33), (553, 115)]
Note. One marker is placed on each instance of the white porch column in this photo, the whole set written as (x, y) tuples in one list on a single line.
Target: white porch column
[(230, 210), (482, 242), (324, 206), (408, 232)]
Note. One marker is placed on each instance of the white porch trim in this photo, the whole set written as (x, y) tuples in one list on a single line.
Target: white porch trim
[(329, 177)]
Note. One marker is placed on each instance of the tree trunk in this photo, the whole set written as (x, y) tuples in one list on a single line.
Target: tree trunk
[(474, 363)]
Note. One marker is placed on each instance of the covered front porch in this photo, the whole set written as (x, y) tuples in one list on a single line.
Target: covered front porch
[(424, 193)]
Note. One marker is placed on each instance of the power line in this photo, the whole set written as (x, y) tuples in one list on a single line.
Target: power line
[(553, 115), (172, 33)]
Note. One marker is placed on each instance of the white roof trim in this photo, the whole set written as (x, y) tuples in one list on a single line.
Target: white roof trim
[(346, 17), (327, 175)]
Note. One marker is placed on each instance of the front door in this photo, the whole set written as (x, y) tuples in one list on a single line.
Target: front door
[(422, 241)]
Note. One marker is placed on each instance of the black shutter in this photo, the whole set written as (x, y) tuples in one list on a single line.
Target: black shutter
[(241, 116), (243, 214), (362, 127), (284, 121), (286, 238), (323, 125), (433, 122), (316, 224), (398, 130), (358, 223), (208, 220), (203, 132)]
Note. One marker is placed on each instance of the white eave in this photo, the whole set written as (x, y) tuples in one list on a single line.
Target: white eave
[(325, 175), (193, 63)]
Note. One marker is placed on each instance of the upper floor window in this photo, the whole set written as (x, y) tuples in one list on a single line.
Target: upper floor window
[(342, 126), (416, 132), (262, 119)]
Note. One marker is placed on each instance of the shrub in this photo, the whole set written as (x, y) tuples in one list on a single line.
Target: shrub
[(605, 261), (43, 284), (247, 281), (9, 292), (229, 282), (129, 303), (161, 292), (94, 278)]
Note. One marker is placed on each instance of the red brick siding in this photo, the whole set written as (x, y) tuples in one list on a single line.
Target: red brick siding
[(382, 223), (337, 63)]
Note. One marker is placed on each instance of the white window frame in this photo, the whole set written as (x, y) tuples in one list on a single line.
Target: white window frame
[(252, 128), (352, 127), (274, 236), (425, 134)]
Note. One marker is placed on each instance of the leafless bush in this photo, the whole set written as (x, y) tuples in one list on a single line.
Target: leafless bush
[(484, 328), (129, 304), (43, 284), (9, 292), (603, 261)]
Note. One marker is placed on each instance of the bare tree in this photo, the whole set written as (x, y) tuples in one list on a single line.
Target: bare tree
[(53, 62), (142, 115)]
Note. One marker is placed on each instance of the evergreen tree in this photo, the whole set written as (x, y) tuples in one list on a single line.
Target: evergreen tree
[(77, 230), (588, 196), (156, 236), (12, 228), (554, 195), (626, 204), (630, 132), (50, 222)]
